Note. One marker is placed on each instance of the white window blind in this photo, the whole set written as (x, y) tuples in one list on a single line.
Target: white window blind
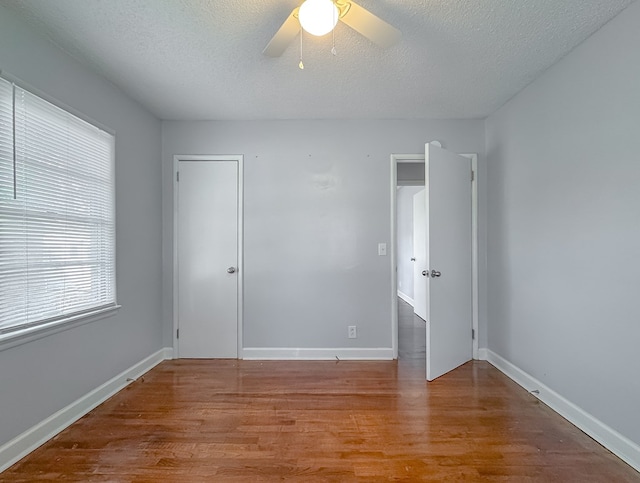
[(57, 221)]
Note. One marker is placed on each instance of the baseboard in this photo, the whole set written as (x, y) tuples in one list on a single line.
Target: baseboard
[(360, 354), (25, 443), (406, 298), (621, 446)]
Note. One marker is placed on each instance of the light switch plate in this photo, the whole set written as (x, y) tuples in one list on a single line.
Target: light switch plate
[(382, 249)]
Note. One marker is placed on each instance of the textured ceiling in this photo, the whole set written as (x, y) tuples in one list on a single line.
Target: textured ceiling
[(202, 59)]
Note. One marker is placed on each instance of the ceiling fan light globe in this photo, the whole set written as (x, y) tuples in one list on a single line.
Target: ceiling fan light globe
[(318, 17)]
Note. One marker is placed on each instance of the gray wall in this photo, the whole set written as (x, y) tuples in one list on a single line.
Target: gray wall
[(410, 174), (404, 221), (316, 205), (564, 226), (39, 378)]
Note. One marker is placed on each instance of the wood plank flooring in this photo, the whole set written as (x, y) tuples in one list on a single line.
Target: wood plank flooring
[(253, 421)]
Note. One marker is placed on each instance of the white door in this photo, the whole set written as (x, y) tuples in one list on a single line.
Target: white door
[(207, 238), (448, 273), (419, 254)]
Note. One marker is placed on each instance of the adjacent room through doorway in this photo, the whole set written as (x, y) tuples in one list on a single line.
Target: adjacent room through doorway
[(411, 328)]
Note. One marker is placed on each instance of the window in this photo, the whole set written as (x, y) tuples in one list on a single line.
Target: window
[(57, 221)]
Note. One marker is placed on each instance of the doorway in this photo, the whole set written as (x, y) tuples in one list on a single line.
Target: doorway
[(208, 256), (401, 164)]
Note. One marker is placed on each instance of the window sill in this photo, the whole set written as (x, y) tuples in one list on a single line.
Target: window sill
[(30, 334)]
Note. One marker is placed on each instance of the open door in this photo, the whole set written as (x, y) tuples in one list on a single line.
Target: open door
[(448, 270)]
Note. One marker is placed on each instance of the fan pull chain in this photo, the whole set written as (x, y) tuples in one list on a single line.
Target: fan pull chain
[(333, 35), (301, 65)]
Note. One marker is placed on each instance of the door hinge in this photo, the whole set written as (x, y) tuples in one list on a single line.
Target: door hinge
[(177, 333), (473, 334), (473, 175), (178, 176)]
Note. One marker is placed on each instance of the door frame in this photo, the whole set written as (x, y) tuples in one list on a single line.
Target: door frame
[(412, 158), (238, 158)]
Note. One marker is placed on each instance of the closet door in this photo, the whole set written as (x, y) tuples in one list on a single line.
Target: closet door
[(207, 258)]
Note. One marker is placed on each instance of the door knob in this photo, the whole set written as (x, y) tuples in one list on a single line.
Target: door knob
[(231, 270), (425, 273), (435, 273), (413, 259)]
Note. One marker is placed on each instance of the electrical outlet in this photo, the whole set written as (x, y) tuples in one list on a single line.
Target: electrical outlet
[(353, 332)]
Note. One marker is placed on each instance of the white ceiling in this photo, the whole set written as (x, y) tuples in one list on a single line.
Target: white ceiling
[(202, 59)]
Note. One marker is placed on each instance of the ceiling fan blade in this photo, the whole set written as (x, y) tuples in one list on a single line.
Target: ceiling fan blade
[(283, 37), (367, 24)]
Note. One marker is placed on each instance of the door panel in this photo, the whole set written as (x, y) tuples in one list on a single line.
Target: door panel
[(420, 254), (448, 228), (207, 248)]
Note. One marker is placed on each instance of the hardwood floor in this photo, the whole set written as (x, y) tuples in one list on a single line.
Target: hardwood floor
[(247, 421), (412, 337)]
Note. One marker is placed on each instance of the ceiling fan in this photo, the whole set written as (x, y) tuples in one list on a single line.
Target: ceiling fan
[(311, 12)]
